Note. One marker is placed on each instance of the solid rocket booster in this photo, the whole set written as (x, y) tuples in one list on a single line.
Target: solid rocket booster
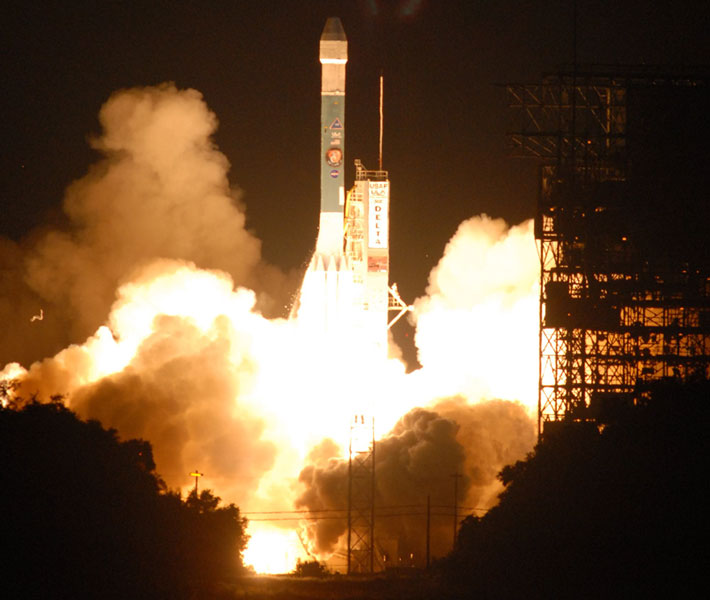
[(333, 57)]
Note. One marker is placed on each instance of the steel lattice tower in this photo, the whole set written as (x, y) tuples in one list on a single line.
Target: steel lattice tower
[(622, 233), (361, 496)]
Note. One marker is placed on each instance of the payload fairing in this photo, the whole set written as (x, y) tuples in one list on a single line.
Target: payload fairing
[(346, 288)]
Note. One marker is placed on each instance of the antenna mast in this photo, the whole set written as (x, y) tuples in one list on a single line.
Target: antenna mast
[(382, 114)]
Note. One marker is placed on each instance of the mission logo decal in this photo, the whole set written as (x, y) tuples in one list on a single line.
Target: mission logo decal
[(334, 157)]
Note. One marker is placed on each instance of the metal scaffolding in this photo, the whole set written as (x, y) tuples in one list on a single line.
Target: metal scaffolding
[(361, 496), (621, 225)]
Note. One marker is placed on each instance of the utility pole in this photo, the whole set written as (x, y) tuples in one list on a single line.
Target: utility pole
[(428, 528), (196, 474), (456, 477), (350, 498), (372, 503)]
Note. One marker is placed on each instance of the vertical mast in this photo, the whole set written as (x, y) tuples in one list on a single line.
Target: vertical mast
[(382, 116)]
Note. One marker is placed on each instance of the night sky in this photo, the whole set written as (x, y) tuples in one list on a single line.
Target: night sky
[(256, 63)]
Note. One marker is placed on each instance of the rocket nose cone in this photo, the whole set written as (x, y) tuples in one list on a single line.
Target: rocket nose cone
[(333, 30)]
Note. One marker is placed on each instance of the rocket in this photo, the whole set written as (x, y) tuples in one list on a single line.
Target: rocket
[(345, 288), (333, 57), (325, 298)]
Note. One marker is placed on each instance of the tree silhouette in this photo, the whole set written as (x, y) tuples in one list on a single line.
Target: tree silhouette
[(590, 513), (217, 536), (84, 515)]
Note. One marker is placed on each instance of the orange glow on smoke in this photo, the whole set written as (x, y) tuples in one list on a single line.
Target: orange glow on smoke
[(183, 359), (304, 385)]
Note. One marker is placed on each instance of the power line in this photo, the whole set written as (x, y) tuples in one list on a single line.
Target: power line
[(291, 512), (317, 514), (324, 510)]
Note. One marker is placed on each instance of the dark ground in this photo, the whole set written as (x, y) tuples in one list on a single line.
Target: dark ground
[(412, 586)]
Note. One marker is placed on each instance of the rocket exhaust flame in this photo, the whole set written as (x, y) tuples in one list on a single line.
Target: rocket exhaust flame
[(217, 385), (177, 352)]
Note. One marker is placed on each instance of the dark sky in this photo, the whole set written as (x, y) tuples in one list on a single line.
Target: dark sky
[(256, 63)]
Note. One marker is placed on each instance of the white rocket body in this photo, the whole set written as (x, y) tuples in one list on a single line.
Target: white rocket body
[(345, 289)]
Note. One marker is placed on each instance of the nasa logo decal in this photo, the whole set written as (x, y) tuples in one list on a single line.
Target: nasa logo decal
[(334, 173)]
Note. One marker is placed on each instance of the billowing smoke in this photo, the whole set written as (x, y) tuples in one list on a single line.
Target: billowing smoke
[(173, 368), (477, 340), (420, 457), (477, 325), (160, 190), (180, 391), (151, 305)]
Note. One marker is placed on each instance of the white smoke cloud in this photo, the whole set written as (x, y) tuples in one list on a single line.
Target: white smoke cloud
[(150, 281), (180, 392), (476, 329), (173, 369), (160, 190), (158, 196)]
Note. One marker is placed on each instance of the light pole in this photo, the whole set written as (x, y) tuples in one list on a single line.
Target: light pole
[(196, 474), (456, 477)]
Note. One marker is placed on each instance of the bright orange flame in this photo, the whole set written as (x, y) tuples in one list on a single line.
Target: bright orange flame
[(477, 340), (273, 550)]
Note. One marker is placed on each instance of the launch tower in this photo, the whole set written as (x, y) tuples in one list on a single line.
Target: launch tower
[(367, 251), (622, 226)]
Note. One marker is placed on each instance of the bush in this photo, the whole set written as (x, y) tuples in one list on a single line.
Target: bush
[(310, 568)]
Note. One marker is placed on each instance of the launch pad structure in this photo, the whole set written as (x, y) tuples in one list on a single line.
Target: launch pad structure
[(622, 232)]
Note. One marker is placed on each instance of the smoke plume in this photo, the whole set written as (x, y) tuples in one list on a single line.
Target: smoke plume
[(157, 205), (172, 369), (419, 458), (150, 305), (160, 190), (477, 325)]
